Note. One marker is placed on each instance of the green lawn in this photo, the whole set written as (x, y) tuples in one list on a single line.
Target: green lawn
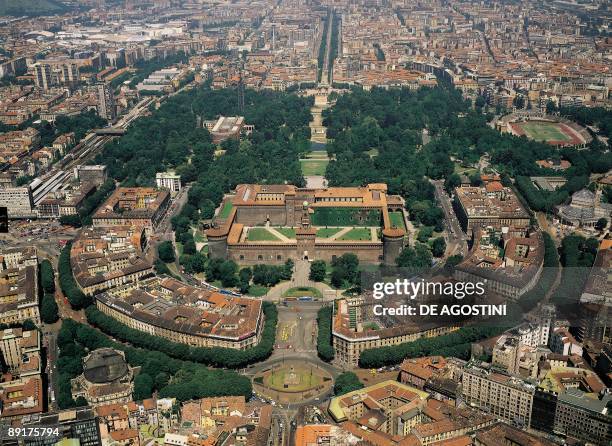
[(397, 219), (302, 291), (261, 235), (313, 166), (327, 232), (227, 208), (357, 234), (305, 380), (287, 232), (544, 131), (199, 237), (257, 290)]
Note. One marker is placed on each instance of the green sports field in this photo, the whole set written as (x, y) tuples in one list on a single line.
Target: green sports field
[(544, 131)]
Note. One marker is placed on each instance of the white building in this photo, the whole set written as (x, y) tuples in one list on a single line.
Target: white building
[(18, 201), (168, 180)]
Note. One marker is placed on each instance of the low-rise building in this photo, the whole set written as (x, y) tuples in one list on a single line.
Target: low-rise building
[(134, 206), (508, 264), (355, 329), (164, 307), (104, 258), (226, 127), (492, 205)]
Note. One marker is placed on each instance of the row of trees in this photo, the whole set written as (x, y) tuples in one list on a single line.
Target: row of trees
[(214, 356), (456, 344), (68, 285), (49, 312), (159, 372), (325, 347)]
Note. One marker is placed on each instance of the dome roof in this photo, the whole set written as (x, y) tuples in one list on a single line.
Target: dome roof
[(104, 365)]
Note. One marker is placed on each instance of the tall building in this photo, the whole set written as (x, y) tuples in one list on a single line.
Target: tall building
[(501, 394), (106, 102), (79, 424), (42, 76)]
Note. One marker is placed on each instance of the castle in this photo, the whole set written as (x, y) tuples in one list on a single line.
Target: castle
[(273, 223)]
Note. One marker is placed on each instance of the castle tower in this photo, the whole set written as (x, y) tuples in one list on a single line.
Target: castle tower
[(305, 235), (393, 243)]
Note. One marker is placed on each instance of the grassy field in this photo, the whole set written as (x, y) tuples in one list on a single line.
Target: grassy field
[(304, 381), (363, 234), (397, 219), (544, 131), (261, 235), (257, 290), (226, 209), (313, 166), (287, 232), (302, 291), (327, 232), (345, 217)]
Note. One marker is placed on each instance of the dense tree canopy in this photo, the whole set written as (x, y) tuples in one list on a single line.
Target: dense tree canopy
[(325, 348), (47, 276), (346, 382)]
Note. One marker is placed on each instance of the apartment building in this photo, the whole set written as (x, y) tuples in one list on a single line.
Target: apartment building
[(497, 392)]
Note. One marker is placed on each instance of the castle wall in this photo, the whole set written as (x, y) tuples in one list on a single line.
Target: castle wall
[(258, 215), (251, 254)]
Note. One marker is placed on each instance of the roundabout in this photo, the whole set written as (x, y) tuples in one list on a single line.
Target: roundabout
[(293, 381)]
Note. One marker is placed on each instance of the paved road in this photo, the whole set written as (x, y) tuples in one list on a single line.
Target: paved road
[(456, 240)]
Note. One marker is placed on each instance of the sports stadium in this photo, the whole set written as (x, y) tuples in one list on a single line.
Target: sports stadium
[(553, 130)]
